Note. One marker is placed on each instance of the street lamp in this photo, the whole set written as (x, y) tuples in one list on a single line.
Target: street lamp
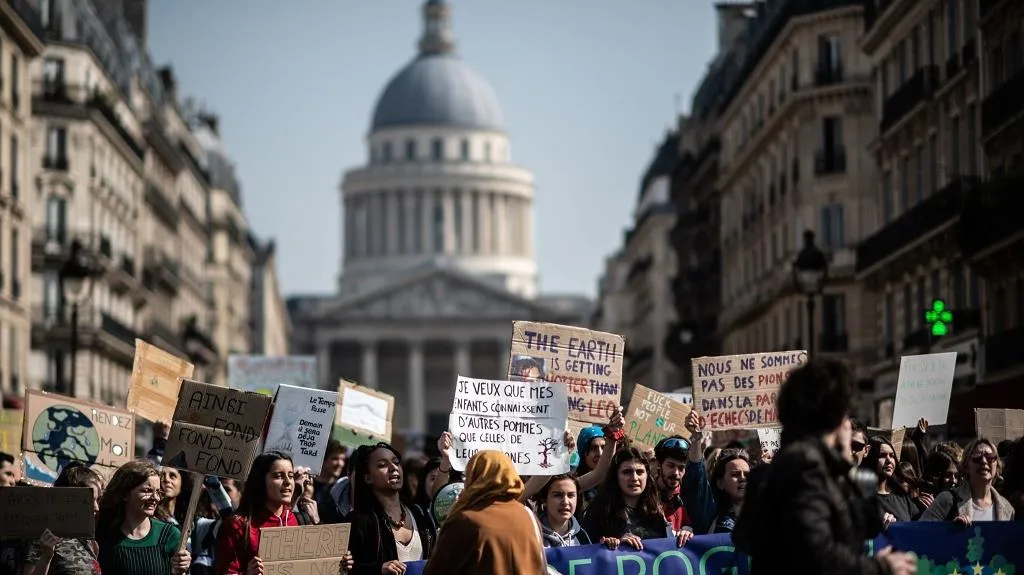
[(810, 270), (74, 279)]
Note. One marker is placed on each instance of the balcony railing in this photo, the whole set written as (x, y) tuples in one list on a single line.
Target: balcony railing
[(916, 90), (162, 205), (1002, 104), (915, 223), (58, 163), (105, 109), (828, 75), (990, 214), (114, 327), (161, 330), (830, 161)]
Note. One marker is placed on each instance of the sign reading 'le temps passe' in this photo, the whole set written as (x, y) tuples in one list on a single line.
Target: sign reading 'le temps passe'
[(588, 362), (739, 391), (300, 424), (216, 431), (524, 419)]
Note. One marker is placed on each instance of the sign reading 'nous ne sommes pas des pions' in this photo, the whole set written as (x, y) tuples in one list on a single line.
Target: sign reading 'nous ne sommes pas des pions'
[(739, 391), (524, 419)]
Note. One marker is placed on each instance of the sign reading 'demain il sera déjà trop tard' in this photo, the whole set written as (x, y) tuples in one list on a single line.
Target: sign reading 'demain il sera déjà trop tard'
[(739, 391), (524, 419)]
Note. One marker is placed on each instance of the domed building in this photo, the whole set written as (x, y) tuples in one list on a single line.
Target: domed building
[(437, 237)]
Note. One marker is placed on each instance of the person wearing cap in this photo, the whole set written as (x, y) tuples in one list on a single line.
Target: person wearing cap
[(686, 495)]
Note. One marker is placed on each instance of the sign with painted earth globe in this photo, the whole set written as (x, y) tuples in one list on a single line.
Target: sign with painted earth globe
[(61, 434), (445, 499)]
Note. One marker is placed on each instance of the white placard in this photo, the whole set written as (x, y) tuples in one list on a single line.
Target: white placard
[(923, 389), (301, 424), (524, 419), (770, 439), (364, 411)]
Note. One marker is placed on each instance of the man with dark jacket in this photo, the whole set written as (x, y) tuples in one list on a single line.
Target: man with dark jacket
[(806, 512)]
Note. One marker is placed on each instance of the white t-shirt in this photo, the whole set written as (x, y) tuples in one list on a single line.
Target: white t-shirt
[(979, 514)]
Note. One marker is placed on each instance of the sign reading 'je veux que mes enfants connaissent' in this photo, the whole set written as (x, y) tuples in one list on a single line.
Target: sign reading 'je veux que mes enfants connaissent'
[(739, 391)]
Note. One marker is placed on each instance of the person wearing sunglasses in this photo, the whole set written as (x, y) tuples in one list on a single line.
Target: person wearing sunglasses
[(682, 482), (858, 441), (975, 499)]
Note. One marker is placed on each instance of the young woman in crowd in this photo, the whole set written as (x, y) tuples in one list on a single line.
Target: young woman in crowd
[(386, 532), (894, 497), (556, 504), (51, 555), (339, 507), (170, 489), (218, 501), (267, 500), (489, 530), (729, 484), (131, 539), (627, 509), (941, 473), (436, 473), (975, 499)]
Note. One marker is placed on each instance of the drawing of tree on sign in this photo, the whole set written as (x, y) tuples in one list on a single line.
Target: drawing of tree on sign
[(547, 446)]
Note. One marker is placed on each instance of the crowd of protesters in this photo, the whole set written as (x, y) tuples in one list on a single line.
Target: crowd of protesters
[(831, 485)]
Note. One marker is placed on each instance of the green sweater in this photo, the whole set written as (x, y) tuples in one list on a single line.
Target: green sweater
[(150, 555)]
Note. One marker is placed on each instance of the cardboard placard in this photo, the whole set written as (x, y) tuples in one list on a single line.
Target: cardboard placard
[(365, 413), (156, 377), (59, 429), (300, 424), (262, 374), (739, 391), (588, 362), (524, 419), (924, 388), (999, 424), (895, 437), (216, 430), (11, 423), (770, 439), (653, 416), (25, 512), (305, 550)]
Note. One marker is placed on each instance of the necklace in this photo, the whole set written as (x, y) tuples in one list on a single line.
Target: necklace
[(395, 525)]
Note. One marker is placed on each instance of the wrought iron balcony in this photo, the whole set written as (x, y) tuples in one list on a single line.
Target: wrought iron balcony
[(58, 163), (916, 222), (1002, 104), (114, 327), (828, 162), (918, 89), (161, 271), (827, 75)]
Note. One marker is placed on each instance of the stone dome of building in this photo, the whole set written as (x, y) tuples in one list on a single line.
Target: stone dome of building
[(438, 88)]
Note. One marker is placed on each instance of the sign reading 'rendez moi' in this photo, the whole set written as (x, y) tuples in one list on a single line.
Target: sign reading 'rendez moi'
[(524, 419)]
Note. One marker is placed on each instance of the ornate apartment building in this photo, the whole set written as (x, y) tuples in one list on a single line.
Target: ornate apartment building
[(792, 130), (20, 44)]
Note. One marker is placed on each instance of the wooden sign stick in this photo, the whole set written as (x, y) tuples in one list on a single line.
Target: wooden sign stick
[(193, 504)]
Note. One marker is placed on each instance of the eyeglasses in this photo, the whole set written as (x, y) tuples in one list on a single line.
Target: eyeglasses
[(676, 443), (984, 457), (857, 446)]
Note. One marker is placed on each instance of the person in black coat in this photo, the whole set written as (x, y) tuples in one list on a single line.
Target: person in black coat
[(807, 511)]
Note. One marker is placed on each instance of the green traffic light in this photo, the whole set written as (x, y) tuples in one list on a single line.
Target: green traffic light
[(939, 318)]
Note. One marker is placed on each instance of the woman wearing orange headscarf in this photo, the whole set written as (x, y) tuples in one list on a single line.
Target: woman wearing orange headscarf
[(488, 529)]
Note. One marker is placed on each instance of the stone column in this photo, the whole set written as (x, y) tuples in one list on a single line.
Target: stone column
[(391, 209), (500, 223), (369, 372), (468, 221), (417, 389), (323, 363), (427, 221), (448, 203), (462, 358), (409, 205), (527, 228), (483, 207)]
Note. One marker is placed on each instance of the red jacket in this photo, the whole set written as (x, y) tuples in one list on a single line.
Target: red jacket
[(239, 539), (675, 512)]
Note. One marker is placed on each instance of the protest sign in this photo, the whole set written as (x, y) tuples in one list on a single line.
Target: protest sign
[(11, 422), (739, 391), (364, 415), (524, 419), (262, 374), (893, 436), (300, 424), (770, 439), (999, 424), (216, 430), (653, 416), (923, 390), (305, 550), (156, 376), (25, 512), (57, 430), (588, 362)]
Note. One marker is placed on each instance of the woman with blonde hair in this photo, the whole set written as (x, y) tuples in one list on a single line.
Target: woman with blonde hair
[(131, 539), (974, 499), (488, 529)]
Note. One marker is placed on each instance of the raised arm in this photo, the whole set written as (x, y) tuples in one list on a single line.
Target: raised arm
[(596, 476)]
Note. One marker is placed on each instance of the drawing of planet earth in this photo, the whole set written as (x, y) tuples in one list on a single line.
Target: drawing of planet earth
[(445, 499), (61, 434)]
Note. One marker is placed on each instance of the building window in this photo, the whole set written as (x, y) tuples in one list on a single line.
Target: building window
[(908, 309), (919, 176), (904, 183), (14, 166), (387, 153), (15, 83), (933, 163), (901, 63), (438, 221), (464, 150), (915, 49), (937, 286), (959, 289), (56, 214), (51, 294), (833, 318), (795, 73), (53, 78), (15, 265), (410, 150), (952, 24), (832, 226), (919, 322), (782, 83), (830, 59), (56, 149), (437, 149), (954, 147), (972, 141)]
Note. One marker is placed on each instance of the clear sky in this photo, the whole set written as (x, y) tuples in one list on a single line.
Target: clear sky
[(588, 88)]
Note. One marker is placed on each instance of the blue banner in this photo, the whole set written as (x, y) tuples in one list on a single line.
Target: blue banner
[(942, 549)]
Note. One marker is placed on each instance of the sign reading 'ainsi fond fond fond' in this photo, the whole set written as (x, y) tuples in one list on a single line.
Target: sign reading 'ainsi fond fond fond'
[(216, 431), (588, 362), (739, 391), (524, 419)]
